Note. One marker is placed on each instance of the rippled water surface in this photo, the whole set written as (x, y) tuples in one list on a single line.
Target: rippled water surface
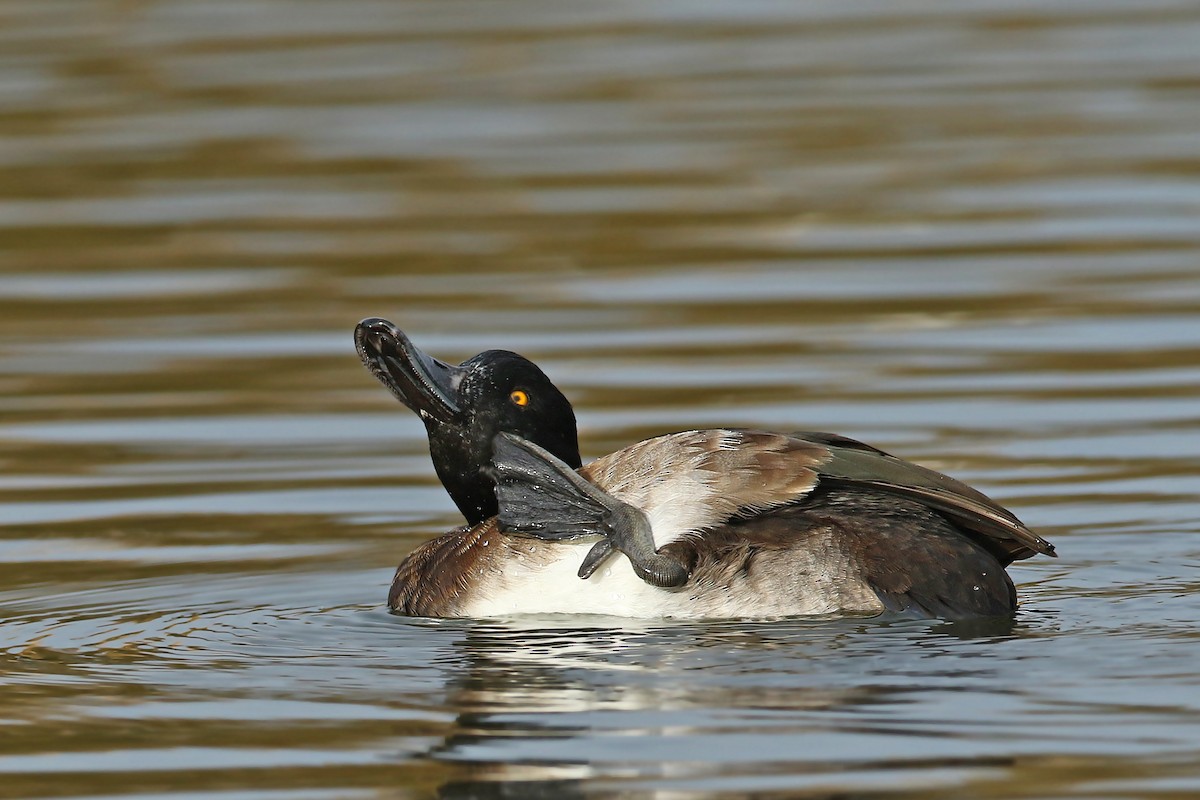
[(966, 233)]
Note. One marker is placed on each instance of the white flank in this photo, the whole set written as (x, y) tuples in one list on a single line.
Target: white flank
[(556, 588), (534, 585), (676, 507)]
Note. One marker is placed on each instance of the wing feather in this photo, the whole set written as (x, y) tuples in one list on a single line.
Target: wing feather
[(852, 464)]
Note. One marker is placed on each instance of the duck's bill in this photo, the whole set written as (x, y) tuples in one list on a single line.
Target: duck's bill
[(423, 383)]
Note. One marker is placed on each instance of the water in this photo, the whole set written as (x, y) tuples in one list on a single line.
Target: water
[(967, 235)]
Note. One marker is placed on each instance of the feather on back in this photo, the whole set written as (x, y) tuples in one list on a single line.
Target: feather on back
[(687, 482)]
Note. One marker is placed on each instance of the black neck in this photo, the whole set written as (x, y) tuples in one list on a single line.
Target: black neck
[(462, 464), (471, 489)]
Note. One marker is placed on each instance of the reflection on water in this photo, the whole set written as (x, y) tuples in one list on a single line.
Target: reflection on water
[(967, 235)]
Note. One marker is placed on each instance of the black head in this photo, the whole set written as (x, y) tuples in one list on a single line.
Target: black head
[(465, 407)]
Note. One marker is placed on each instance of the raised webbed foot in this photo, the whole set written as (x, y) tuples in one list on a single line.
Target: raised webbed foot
[(543, 497)]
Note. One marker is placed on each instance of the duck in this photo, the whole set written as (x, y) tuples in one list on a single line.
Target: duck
[(697, 524)]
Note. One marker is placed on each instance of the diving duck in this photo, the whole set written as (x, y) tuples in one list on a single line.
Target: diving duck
[(714, 523)]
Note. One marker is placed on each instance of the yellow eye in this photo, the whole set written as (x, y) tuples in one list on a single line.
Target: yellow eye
[(519, 398)]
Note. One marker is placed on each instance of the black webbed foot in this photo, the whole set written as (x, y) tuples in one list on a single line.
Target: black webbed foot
[(543, 497)]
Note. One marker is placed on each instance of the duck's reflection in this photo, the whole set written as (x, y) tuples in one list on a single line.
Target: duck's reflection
[(546, 704)]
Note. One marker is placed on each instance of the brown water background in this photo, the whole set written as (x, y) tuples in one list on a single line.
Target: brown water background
[(967, 233)]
